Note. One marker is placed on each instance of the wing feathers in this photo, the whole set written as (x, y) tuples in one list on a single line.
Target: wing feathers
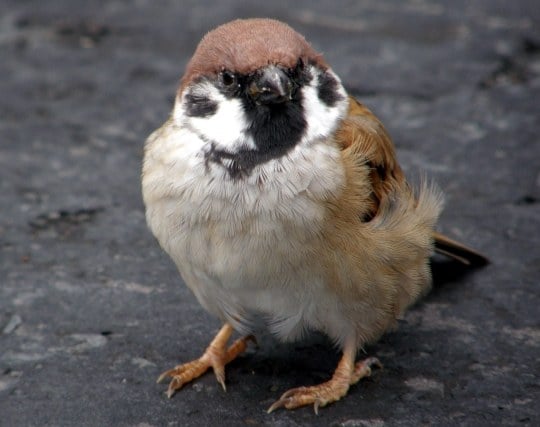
[(363, 136)]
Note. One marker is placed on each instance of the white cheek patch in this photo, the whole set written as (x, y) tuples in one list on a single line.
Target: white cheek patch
[(321, 119), (227, 127)]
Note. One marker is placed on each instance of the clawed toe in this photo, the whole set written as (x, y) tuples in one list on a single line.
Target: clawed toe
[(175, 384), (303, 396), (216, 356), (171, 373), (347, 373), (185, 373), (363, 369)]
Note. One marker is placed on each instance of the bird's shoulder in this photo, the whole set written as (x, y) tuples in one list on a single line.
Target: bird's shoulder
[(369, 157)]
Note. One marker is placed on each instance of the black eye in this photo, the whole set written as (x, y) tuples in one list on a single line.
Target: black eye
[(227, 78)]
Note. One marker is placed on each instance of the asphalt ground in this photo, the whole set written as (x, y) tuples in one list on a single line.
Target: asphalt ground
[(91, 310)]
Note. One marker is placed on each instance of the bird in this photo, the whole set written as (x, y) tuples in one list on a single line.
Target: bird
[(280, 199)]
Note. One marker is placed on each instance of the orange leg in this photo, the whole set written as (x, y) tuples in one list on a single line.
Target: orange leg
[(346, 374), (216, 356)]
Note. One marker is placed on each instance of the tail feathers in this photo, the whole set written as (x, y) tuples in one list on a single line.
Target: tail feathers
[(446, 246)]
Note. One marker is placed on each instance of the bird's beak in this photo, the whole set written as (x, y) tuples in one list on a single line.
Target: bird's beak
[(271, 85)]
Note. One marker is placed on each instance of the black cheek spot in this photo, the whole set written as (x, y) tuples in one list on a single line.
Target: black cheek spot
[(199, 105), (327, 89)]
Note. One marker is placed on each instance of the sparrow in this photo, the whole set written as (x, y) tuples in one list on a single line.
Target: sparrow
[(279, 198)]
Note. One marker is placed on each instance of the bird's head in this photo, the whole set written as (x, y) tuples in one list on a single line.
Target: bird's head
[(255, 89)]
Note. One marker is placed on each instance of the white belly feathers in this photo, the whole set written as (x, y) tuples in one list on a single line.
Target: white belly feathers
[(242, 241)]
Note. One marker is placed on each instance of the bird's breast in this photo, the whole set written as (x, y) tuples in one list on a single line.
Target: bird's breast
[(237, 242)]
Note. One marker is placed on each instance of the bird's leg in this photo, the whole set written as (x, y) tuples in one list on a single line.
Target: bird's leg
[(346, 374), (216, 356)]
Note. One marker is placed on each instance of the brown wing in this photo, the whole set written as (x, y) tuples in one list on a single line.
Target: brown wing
[(364, 136), (368, 143)]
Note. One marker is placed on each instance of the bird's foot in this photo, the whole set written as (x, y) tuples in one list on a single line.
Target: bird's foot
[(331, 391), (216, 356), (362, 369)]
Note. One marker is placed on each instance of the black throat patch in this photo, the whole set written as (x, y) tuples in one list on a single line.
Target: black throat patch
[(275, 128), (240, 164)]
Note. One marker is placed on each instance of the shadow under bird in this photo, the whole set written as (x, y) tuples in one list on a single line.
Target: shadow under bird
[(279, 197)]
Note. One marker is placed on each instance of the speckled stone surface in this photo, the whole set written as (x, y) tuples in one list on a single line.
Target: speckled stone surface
[(91, 310)]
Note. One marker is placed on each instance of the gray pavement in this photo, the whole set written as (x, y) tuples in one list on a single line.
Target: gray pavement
[(91, 310)]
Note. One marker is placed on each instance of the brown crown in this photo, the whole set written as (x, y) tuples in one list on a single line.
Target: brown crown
[(245, 45)]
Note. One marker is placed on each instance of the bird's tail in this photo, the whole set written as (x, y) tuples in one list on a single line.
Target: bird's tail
[(446, 246)]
